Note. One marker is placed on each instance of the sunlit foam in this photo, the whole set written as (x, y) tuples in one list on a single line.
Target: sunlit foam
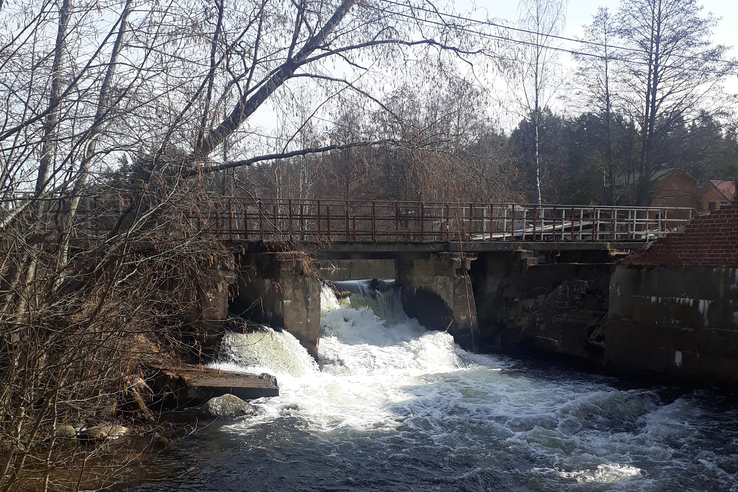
[(366, 363), (606, 473)]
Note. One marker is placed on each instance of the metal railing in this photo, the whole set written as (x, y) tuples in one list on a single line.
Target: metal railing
[(414, 222)]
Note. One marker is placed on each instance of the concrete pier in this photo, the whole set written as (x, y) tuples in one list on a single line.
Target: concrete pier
[(552, 303), (437, 291), (280, 290)]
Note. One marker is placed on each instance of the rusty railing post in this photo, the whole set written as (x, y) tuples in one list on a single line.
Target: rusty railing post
[(595, 221), (245, 221), (397, 221), (353, 224), (471, 220), (318, 221), (301, 221), (289, 218), (491, 220), (346, 224), (422, 223), (374, 222), (260, 211), (553, 225), (571, 223), (230, 221), (447, 221), (512, 222), (277, 226), (328, 221)]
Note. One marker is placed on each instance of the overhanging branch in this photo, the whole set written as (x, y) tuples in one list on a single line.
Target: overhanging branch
[(286, 155)]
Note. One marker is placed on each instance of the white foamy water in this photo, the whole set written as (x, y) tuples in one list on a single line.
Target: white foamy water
[(364, 368), (390, 406)]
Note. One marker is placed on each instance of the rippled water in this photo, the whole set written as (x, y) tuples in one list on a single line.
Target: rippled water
[(391, 407)]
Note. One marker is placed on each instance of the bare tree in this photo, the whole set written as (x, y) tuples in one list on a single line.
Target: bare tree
[(671, 70), (532, 72), (114, 117), (595, 79)]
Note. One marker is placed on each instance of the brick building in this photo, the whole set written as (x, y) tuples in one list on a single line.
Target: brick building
[(716, 194)]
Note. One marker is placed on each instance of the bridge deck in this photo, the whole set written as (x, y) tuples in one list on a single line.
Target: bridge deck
[(342, 250), (332, 224)]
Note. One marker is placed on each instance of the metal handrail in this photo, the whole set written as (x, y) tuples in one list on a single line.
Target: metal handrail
[(353, 221)]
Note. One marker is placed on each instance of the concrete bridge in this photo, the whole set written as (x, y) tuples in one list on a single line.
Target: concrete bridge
[(447, 256)]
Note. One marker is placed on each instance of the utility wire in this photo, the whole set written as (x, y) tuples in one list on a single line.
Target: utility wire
[(503, 27)]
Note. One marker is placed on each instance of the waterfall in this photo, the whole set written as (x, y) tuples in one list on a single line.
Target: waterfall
[(369, 350)]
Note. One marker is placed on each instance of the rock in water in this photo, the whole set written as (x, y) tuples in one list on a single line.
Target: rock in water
[(104, 431), (226, 406)]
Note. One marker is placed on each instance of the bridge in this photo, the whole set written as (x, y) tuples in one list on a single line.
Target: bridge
[(344, 227), (446, 254)]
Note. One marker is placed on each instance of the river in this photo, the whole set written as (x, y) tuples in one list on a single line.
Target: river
[(392, 407)]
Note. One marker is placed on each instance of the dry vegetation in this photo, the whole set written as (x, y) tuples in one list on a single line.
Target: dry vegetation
[(78, 335)]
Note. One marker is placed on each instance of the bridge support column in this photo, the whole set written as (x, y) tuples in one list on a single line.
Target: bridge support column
[(437, 291), (556, 306), (278, 290), (208, 306)]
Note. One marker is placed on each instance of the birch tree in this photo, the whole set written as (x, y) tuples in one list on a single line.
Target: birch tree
[(533, 73)]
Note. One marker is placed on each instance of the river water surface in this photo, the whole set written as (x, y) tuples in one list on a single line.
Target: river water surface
[(392, 407)]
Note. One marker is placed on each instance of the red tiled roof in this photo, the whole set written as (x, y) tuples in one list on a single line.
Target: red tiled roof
[(727, 188)]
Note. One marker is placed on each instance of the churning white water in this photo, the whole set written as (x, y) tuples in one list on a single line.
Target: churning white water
[(365, 368), (391, 406)]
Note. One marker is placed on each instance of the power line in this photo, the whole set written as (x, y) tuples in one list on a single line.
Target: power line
[(498, 37), (511, 28)]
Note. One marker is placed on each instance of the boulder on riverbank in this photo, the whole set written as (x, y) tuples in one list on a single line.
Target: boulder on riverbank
[(225, 406), (65, 431), (104, 431)]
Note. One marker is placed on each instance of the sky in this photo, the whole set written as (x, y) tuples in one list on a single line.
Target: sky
[(580, 12)]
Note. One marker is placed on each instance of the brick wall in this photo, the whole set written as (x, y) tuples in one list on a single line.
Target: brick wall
[(709, 240)]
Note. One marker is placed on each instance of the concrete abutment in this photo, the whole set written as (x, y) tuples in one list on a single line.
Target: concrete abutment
[(281, 291), (674, 321), (548, 302), (438, 292)]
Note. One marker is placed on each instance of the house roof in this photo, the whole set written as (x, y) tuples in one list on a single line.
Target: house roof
[(727, 188), (662, 173), (656, 176)]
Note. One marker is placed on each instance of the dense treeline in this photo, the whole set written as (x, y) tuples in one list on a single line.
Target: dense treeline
[(488, 165)]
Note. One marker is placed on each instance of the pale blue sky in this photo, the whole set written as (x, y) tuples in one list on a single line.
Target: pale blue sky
[(580, 12)]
